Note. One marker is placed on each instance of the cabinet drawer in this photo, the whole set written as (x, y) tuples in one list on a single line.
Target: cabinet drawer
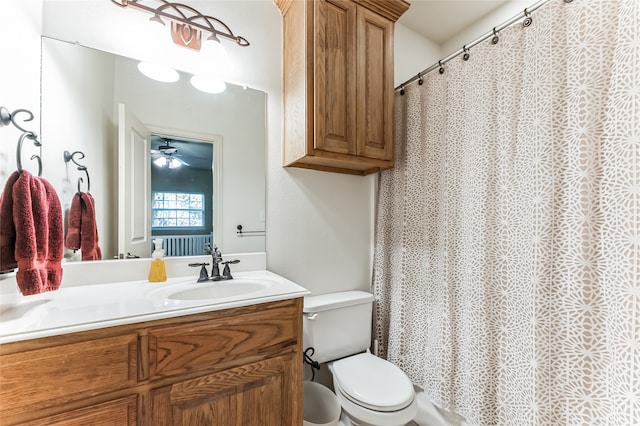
[(42, 378), (201, 345), (121, 412)]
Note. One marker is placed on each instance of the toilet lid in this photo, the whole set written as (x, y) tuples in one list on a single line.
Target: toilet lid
[(373, 383)]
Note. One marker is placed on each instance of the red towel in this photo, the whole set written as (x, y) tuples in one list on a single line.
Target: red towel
[(7, 229), (89, 230), (74, 222), (82, 232), (37, 218)]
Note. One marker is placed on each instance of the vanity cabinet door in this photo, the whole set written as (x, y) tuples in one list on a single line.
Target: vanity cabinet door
[(263, 393), (120, 412), (34, 378)]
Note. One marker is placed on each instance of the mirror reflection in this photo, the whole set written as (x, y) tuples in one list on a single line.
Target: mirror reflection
[(182, 195), (84, 93)]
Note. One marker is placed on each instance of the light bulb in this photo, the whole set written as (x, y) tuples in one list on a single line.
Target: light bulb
[(158, 72), (208, 83), (174, 163), (215, 56), (160, 161)]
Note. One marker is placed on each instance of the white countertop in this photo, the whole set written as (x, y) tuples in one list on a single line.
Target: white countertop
[(81, 308)]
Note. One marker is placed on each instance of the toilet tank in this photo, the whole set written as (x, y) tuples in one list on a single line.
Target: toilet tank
[(337, 325)]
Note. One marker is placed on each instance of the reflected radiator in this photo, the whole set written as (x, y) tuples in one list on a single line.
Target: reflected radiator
[(185, 245)]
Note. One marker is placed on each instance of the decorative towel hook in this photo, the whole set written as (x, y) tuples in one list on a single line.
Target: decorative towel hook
[(7, 117), (36, 142), (70, 157), (528, 20)]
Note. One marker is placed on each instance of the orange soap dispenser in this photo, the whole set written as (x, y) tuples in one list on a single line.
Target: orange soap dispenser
[(158, 272)]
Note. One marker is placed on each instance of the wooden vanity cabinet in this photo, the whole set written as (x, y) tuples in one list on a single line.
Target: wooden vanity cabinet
[(240, 366), (338, 84)]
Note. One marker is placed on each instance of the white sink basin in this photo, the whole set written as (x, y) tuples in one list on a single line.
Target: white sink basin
[(219, 290)]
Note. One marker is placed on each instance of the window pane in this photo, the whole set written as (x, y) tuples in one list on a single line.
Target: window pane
[(177, 210)]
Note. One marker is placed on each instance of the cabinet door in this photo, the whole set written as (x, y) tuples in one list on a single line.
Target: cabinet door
[(375, 86), (263, 393), (49, 376), (120, 412), (335, 76)]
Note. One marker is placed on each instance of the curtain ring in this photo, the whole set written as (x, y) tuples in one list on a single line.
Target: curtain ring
[(527, 21), (402, 90), (495, 38), (568, 1), (441, 70), (466, 55), (420, 79)]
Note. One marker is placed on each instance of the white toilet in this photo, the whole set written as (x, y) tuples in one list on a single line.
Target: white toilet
[(371, 391)]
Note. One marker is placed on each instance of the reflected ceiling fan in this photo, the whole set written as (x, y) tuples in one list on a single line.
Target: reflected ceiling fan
[(167, 156)]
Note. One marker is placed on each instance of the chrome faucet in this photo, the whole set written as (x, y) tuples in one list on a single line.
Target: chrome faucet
[(216, 258)]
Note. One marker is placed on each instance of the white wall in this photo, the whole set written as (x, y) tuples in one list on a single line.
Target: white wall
[(413, 54), (20, 28), (484, 25), (319, 225), (78, 116)]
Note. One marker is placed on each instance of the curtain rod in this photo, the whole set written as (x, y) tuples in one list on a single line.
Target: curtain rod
[(493, 33)]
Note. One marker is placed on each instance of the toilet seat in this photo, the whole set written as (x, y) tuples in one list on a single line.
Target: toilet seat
[(373, 383)]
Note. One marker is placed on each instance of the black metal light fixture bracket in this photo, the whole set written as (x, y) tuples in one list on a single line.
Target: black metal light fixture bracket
[(187, 24)]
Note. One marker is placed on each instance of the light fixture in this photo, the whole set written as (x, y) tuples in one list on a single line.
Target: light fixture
[(188, 29), (158, 72), (208, 83), (167, 155), (174, 163), (217, 55), (160, 161)]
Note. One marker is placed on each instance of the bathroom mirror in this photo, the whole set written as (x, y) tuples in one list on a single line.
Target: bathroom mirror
[(82, 89)]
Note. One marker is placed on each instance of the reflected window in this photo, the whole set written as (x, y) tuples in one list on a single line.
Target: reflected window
[(171, 210)]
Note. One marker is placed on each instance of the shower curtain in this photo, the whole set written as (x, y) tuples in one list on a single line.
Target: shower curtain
[(507, 253)]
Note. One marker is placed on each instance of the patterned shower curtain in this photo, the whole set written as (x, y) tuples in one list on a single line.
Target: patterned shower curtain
[(507, 255)]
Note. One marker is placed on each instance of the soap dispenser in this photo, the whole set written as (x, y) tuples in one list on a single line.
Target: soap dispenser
[(157, 273)]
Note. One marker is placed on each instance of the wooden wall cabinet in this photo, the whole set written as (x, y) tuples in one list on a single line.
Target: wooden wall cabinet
[(240, 366), (338, 84)]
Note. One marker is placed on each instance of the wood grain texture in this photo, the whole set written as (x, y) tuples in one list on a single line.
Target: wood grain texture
[(338, 84), (102, 376), (201, 345), (375, 86), (389, 9), (294, 82), (45, 377), (255, 394), (335, 76), (120, 412)]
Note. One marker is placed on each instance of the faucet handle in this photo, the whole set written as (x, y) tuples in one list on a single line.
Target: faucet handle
[(207, 248), (204, 275), (227, 271)]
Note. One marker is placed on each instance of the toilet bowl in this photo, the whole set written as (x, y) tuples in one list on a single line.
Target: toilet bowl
[(370, 390)]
